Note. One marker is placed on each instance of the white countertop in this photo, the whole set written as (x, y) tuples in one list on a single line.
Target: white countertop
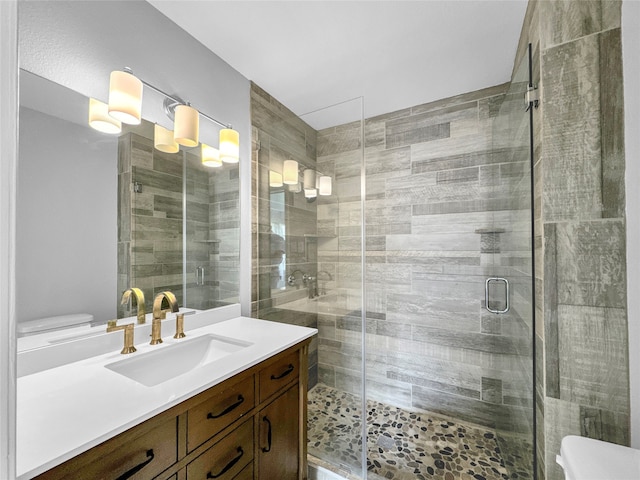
[(66, 410)]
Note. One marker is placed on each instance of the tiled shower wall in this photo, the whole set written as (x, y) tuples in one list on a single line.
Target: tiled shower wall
[(151, 225), (438, 187), (582, 352), (278, 135)]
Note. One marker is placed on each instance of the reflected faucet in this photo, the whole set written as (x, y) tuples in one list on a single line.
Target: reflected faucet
[(323, 284), (311, 284), (137, 300), (159, 314), (291, 279)]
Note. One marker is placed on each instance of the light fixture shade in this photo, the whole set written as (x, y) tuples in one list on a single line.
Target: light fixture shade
[(290, 172), (325, 185), (275, 179), (99, 118), (210, 156), (163, 140), (229, 145), (186, 126), (309, 179), (125, 97), (310, 193)]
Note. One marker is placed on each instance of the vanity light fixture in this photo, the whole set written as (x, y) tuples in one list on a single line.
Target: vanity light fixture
[(324, 185), (163, 140), (275, 179), (210, 156), (229, 146), (310, 193), (99, 118), (125, 97), (186, 126), (290, 172), (125, 105)]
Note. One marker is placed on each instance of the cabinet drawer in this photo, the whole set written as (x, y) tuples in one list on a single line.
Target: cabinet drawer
[(227, 458), (246, 473), (214, 414), (278, 374), (124, 457)]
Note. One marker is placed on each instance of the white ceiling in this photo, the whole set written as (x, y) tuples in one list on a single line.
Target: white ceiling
[(395, 54)]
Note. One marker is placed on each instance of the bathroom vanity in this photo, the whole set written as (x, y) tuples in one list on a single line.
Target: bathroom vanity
[(241, 416)]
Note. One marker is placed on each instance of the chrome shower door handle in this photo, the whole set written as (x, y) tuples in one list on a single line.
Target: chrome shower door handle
[(199, 275), (506, 294)]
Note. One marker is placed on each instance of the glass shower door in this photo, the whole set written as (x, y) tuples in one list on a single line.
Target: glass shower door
[(511, 246), (211, 233), (448, 207)]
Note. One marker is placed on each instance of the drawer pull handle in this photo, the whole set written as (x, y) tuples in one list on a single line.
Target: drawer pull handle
[(289, 369), (228, 409), (229, 466), (137, 468), (268, 447)]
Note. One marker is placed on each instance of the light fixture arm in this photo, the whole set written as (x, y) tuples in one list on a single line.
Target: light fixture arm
[(178, 101)]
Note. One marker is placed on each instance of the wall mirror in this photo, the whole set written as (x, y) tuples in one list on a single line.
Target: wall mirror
[(100, 213)]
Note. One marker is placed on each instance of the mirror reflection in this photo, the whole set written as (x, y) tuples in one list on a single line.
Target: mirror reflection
[(98, 214)]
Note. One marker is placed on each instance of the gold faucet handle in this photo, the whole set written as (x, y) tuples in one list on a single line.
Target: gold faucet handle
[(128, 335), (179, 326)]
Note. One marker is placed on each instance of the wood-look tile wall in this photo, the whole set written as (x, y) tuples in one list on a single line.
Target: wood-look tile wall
[(437, 185), (582, 362), (278, 135), (151, 225), (427, 170)]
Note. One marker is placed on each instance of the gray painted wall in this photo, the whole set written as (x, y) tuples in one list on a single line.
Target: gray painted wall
[(66, 220)]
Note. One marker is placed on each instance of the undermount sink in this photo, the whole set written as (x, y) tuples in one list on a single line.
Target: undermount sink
[(173, 360)]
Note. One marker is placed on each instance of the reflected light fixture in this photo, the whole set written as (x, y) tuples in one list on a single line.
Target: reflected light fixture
[(210, 156), (324, 185), (310, 193), (125, 97), (99, 118), (309, 177), (290, 172), (229, 146), (186, 127), (275, 179), (163, 140), (125, 105)]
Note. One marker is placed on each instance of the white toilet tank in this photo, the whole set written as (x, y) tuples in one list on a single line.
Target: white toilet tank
[(50, 324), (588, 459)]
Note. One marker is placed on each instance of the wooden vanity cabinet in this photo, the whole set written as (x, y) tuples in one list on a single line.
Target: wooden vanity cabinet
[(279, 433), (252, 426)]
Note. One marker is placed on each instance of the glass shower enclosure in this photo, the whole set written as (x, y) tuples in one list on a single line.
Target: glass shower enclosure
[(178, 224), (417, 272)]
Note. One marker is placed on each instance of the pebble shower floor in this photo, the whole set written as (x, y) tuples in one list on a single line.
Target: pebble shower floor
[(407, 445)]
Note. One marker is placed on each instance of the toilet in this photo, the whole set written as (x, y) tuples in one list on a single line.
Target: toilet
[(50, 324), (588, 459)]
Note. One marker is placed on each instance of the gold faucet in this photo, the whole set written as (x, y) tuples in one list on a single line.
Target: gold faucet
[(179, 326), (136, 301), (159, 314), (128, 335)]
